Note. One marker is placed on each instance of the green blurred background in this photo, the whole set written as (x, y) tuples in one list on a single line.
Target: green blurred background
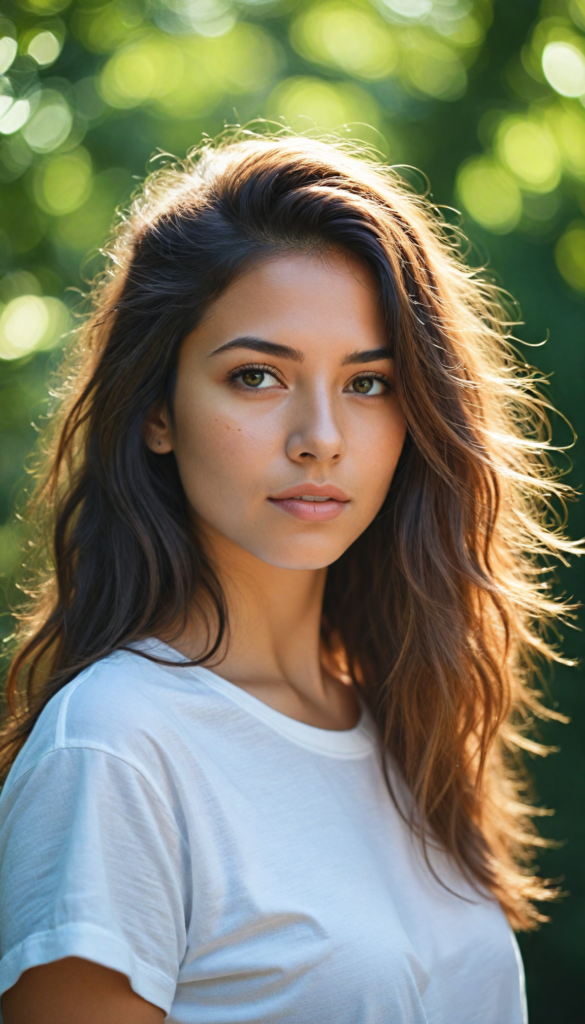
[(486, 98)]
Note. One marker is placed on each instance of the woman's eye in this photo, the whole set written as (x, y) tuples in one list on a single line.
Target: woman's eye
[(368, 386), (257, 378)]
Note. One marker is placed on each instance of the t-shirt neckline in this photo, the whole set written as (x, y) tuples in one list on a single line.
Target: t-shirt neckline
[(352, 743)]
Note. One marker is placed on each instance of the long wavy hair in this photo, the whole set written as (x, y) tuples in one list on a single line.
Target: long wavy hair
[(437, 609)]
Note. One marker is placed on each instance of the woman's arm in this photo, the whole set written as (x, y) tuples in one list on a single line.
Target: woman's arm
[(75, 991)]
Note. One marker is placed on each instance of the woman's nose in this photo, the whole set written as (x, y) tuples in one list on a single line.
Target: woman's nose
[(315, 434)]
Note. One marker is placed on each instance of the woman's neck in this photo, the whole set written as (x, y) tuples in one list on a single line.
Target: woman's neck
[(274, 645)]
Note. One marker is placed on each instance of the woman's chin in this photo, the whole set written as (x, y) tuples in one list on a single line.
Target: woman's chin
[(295, 556)]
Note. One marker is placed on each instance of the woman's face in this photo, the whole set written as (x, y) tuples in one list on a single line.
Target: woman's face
[(286, 428)]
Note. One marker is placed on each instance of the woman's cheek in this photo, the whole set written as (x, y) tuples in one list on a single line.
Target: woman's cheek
[(378, 447), (221, 458)]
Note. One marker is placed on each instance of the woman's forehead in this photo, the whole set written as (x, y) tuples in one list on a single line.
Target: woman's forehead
[(300, 297)]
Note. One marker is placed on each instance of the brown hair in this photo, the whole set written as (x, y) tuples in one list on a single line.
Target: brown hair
[(438, 606)]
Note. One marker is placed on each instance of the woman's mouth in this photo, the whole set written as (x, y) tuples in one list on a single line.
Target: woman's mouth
[(312, 503)]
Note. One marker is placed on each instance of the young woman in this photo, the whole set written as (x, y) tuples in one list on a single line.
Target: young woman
[(268, 700)]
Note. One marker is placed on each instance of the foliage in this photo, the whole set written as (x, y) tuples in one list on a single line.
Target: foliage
[(487, 98)]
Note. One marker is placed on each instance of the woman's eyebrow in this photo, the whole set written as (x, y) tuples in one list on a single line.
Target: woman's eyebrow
[(369, 356), (272, 348), (267, 348)]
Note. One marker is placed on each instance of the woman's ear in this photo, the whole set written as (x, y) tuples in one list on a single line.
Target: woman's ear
[(157, 430)]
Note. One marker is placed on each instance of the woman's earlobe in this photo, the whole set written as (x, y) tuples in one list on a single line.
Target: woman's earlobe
[(160, 446), (156, 432)]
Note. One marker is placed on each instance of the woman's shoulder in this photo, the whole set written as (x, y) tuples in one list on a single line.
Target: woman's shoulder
[(125, 705)]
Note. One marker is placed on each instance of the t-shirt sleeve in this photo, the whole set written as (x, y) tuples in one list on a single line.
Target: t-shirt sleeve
[(92, 865)]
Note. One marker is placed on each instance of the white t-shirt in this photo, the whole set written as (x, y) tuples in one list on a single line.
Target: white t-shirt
[(236, 865)]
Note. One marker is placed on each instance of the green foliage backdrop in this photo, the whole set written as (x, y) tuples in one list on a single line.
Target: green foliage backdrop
[(486, 98)]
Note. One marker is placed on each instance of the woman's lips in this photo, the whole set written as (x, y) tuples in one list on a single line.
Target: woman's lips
[(310, 511), (312, 503)]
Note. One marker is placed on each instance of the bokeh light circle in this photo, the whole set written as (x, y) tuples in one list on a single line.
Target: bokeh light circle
[(530, 152), (564, 68), (30, 323), (51, 123), (62, 183), (44, 47), (570, 256), (490, 195)]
